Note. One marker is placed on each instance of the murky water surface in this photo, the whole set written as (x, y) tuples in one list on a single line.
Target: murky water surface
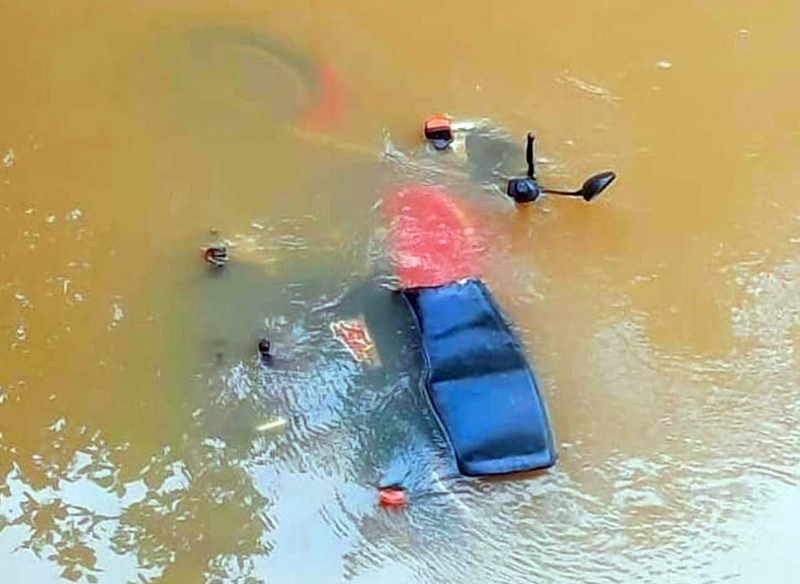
[(141, 439)]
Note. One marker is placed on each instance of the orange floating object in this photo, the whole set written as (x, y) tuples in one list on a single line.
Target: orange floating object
[(392, 497), (439, 131)]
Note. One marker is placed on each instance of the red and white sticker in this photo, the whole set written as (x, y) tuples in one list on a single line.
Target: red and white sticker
[(354, 335)]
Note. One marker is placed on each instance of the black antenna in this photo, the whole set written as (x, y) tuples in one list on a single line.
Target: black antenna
[(525, 190), (529, 156)]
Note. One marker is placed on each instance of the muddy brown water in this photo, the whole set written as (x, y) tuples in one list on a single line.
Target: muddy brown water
[(662, 319)]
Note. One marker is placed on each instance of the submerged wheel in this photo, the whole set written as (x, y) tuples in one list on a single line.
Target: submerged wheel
[(222, 77)]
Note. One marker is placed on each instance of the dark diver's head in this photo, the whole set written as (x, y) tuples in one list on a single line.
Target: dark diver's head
[(264, 350)]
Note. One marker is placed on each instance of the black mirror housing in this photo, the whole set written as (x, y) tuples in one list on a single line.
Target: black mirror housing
[(523, 190)]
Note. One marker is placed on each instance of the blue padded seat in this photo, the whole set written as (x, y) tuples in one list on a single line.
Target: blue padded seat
[(478, 380)]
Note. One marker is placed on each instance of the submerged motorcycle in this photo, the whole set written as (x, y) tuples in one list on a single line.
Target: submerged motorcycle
[(329, 355)]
